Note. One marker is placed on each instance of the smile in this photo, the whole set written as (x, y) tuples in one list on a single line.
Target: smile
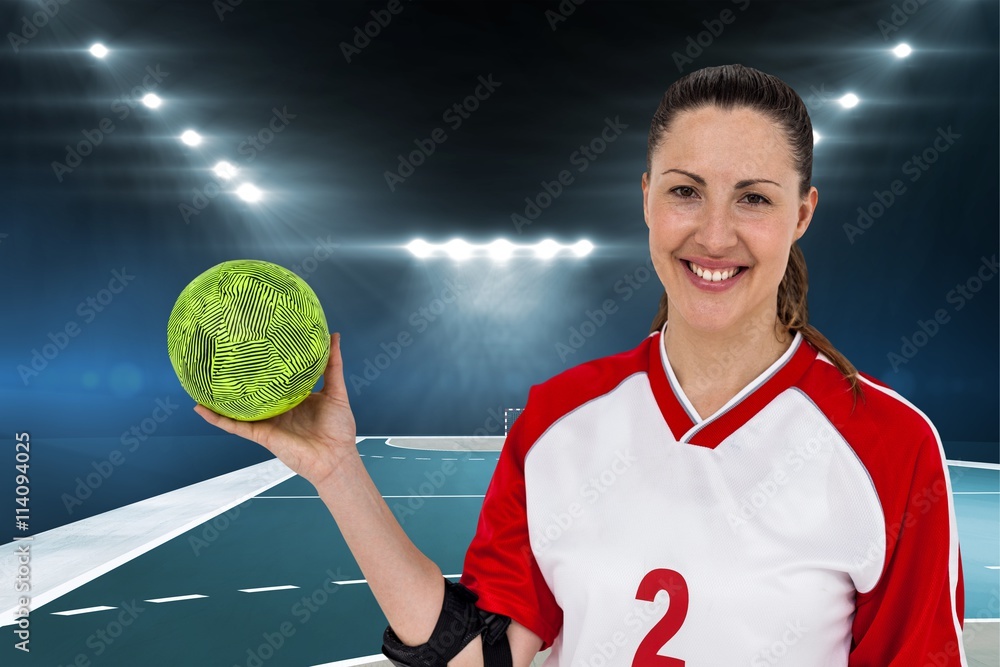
[(714, 275)]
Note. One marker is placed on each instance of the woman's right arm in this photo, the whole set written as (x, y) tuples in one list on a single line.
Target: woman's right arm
[(316, 439)]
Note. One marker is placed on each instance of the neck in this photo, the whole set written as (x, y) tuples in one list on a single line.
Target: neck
[(718, 365)]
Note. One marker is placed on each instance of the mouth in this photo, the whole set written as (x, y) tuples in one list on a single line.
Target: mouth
[(714, 275)]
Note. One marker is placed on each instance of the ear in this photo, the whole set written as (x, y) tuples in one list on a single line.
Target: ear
[(645, 197), (806, 210)]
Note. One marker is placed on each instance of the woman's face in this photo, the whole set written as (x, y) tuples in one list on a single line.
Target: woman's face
[(701, 207)]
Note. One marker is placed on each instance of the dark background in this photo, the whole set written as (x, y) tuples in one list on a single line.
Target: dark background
[(329, 214)]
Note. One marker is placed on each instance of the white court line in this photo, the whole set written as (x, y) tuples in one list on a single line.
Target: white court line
[(992, 567), (266, 589), (982, 620), (375, 456), (435, 496), (477, 459), (177, 598), (87, 610), (354, 662), (975, 493), (449, 459), (421, 458), (365, 581), (398, 458), (975, 464)]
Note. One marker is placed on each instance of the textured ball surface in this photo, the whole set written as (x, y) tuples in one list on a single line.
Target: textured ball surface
[(248, 339)]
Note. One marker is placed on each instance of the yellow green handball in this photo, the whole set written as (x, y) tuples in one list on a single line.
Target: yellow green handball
[(248, 339)]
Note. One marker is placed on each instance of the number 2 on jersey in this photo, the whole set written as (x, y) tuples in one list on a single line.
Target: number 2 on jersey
[(673, 583)]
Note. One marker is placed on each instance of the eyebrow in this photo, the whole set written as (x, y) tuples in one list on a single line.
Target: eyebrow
[(742, 184)]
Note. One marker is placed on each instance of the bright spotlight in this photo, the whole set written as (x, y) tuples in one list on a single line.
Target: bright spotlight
[(224, 170), (547, 249), (582, 248), (248, 192), (902, 50), (501, 250), (419, 248), (152, 100), (849, 100), (458, 249), (816, 137), (98, 50), (191, 138)]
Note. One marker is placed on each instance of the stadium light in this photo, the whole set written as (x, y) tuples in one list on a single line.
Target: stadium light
[(501, 250), (248, 192), (458, 249), (902, 50), (816, 137), (419, 248), (547, 249), (191, 138), (849, 100), (98, 50), (582, 248), (224, 170), (152, 100)]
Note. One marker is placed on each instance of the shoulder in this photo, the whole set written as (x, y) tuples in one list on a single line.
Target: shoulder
[(884, 429)]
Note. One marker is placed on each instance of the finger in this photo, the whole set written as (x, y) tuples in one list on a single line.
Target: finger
[(333, 376), (242, 429)]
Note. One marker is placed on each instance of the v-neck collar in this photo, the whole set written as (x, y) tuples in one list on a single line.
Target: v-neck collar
[(683, 420)]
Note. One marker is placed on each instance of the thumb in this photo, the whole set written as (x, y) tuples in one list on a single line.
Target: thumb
[(333, 376)]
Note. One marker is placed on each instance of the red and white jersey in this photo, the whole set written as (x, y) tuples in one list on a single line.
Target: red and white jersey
[(791, 527)]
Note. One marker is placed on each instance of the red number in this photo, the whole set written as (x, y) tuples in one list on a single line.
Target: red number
[(673, 583)]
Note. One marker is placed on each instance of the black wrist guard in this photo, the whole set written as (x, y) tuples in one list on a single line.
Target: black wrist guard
[(460, 622)]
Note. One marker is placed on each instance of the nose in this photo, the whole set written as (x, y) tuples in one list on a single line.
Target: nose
[(716, 230)]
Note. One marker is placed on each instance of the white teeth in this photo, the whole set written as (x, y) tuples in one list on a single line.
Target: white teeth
[(713, 276)]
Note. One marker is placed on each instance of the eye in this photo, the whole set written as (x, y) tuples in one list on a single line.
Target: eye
[(761, 200)]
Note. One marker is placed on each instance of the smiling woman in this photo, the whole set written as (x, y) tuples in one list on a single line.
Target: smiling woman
[(719, 475)]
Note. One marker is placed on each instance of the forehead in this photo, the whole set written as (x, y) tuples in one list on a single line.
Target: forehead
[(711, 140)]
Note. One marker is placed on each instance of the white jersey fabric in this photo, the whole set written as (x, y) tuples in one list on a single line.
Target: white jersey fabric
[(794, 526)]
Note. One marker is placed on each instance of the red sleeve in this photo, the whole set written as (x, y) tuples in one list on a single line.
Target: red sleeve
[(915, 614), (500, 566)]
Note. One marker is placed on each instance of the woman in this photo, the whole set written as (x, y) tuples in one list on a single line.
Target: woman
[(730, 491)]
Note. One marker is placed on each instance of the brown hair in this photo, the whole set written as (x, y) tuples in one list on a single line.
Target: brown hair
[(728, 86)]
